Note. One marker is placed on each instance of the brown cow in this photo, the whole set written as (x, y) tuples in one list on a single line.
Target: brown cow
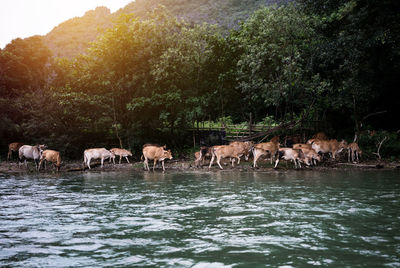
[(156, 153), (333, 147), (13, 147), (50, 156), (354, 152), (270, 147), (320, 136), (243, 148), (153, 144), (288, 141), (298, 146), (225, 151), (121, 153)]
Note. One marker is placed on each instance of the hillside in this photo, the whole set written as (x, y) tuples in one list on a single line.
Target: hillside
[(74, 35)]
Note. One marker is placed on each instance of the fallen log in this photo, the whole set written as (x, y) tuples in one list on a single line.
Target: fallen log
[(362, 165)]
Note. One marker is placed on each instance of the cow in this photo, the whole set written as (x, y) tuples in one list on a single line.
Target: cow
[(310, 156), (333, 147), (270, 147), (318, 136), (225, 151), (201, 155), (243, 148), (50, 156), (156, 153), (257, 153), (121, 153), (153, 144), (298, 146), (95, 153), (289, 154), (30, 152), (288, 141), (354, 152), (13, 147)]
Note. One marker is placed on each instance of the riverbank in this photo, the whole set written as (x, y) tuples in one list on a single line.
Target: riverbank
[(187, 165)]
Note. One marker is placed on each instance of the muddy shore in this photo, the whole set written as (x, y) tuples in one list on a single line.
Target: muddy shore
[(187, 165)]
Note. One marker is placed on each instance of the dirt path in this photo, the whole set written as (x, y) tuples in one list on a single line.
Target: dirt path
[(185, 165)]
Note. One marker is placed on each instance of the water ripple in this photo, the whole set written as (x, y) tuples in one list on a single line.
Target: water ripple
[(220, 219)]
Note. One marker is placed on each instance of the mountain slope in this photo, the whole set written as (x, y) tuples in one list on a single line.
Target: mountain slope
[(74, 36)]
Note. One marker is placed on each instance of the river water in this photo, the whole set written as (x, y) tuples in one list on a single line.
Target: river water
[(216, 219)]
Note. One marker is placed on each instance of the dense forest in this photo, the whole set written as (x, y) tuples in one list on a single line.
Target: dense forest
[(152, 78)]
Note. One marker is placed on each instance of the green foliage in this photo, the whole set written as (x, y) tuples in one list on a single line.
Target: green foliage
[(151, 79)]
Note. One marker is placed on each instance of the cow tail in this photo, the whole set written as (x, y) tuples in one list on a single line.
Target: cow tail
[(141, 158)]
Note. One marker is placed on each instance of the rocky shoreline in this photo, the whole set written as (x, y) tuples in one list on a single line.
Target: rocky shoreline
[(187, 165)]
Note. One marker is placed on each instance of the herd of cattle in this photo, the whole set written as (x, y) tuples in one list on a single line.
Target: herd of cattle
[(308, 153)]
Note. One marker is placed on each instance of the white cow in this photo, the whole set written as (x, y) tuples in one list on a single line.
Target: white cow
[(96, 153), (31, 152)]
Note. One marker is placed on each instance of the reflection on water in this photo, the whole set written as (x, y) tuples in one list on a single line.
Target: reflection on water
[(216, 219)]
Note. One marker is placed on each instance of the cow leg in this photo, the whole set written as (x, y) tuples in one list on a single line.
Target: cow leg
[(88, 162), (163, 168), (256, 156), (233, 162), (212, 160), (276, 162), (40, 163), (146, 164), (154, 165), (348, 155), (218, 161), (127, 160), (9, 155)]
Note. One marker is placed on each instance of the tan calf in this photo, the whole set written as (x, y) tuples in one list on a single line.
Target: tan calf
[(13, 147), (156, 153), (50, 156), (121, 153), (354, 152)]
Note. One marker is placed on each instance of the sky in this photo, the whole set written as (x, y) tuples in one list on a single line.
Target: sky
[(24, 18)]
